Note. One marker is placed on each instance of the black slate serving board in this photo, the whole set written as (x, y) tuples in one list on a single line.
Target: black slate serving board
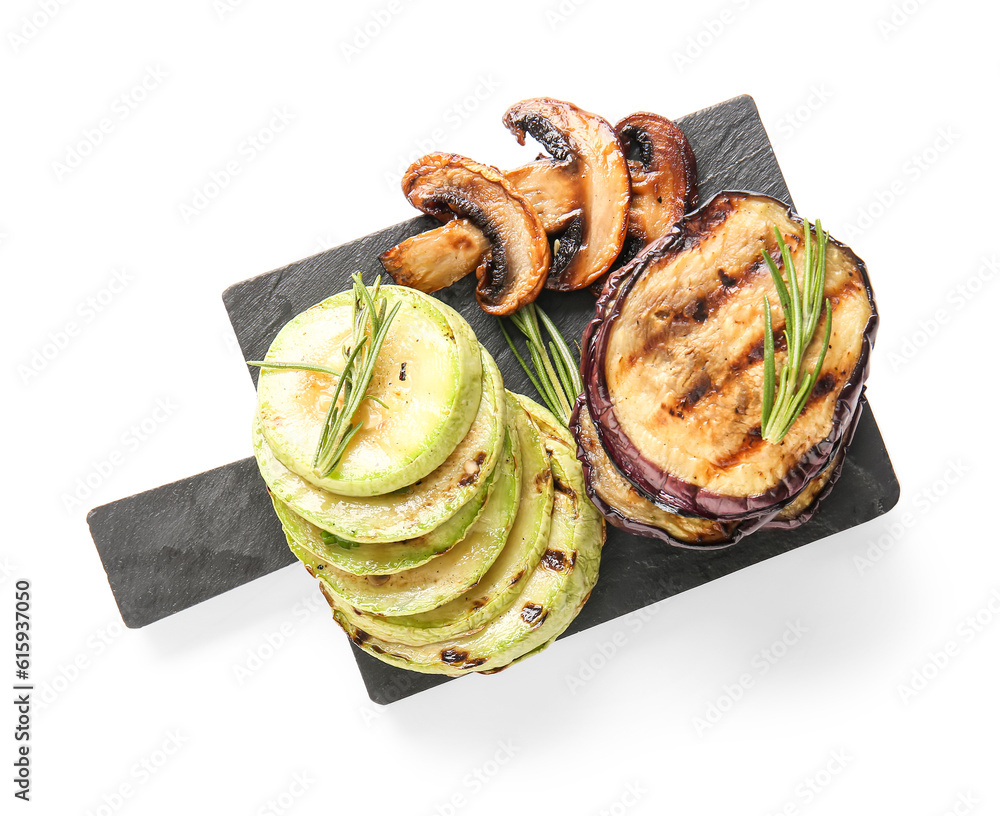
[(170, 548)]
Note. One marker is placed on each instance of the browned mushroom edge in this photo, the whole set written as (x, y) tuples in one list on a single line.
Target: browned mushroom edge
[(556, 186), (587, 145), (664, 178), (447, 185)]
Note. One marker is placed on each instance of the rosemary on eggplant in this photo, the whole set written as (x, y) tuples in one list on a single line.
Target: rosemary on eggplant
[(556, 378), (802, 306), (360, 355)]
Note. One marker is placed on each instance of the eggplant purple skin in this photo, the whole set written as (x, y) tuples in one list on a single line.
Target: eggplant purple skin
[(742, 529), (810, 511), (669, 491), (613, 516)]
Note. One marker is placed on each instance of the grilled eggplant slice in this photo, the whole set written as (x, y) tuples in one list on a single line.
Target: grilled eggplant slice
[(674, 363), (623, 506), (446, 185)]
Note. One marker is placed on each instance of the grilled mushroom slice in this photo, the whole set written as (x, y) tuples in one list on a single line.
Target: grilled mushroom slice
[(664, 177), (588, 149), (563, 189), (433, 260), (674, 366), (446, 185)]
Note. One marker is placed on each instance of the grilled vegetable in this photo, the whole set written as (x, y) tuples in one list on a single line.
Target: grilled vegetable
[(673, 367), (593, 236), (664, 177), (513, 272), (411, 511), (381, 558), (424, 392), (550, 598), (625, 507), (497, 588), (435, 259), (580, 193), (449, 575)]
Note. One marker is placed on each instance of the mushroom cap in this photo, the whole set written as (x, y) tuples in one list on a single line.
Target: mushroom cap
[(447, 185), (588, 151)]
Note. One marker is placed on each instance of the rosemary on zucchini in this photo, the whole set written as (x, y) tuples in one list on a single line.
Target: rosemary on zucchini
[(556, 378), (360, 355), (802, 306)]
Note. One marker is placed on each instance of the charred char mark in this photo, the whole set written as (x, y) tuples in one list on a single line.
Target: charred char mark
[(360, 636), (824, 385), (542, 480), (561, 486), (516, 578), (726, 280), (472, 475), (402, 372), (701, 386), (533, 614), (756, 353), (751, 441), (697, 310), (557, 561), (456, 657)]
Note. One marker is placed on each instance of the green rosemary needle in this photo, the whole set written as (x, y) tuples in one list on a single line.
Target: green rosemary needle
[(556, 378), (360, 355), (782, 402)]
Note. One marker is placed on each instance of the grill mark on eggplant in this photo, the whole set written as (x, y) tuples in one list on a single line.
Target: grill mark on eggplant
[(748, 444), (753, 440), (694, 468), (734, 370), (679, 320)]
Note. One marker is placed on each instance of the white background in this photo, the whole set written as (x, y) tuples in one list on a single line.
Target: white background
[(884, 119)]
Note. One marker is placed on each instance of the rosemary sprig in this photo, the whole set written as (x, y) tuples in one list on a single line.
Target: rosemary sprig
[(360, 355), (556, 378), (801, 306)]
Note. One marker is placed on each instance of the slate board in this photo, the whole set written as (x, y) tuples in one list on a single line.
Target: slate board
[(175, 546)]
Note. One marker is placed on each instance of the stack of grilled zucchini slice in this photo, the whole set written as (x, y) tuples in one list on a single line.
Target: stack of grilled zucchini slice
[(455, 534)]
